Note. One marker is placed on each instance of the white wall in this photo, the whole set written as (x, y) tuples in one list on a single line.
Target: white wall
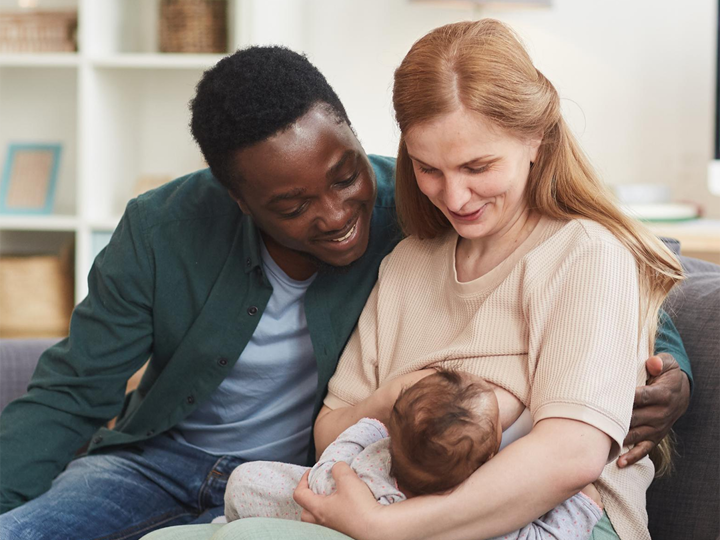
[(636, 76)]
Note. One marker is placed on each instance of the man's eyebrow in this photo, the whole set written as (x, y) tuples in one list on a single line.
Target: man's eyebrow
[(332, 171), (292, 194)]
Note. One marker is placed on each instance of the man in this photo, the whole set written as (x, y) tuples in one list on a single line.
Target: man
[(242, 286)]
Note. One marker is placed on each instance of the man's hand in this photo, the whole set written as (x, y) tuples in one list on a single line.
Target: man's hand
[(657, 407)]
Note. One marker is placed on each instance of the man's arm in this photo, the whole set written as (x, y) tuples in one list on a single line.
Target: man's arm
[(79, 384), (664, 398), (668, 341)]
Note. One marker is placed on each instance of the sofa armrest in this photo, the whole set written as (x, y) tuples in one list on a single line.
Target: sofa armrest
[(18, 358), (686, 504)]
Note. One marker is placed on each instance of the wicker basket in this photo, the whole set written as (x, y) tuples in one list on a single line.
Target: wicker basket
[(38, 31), (193, 26), (36, 295)]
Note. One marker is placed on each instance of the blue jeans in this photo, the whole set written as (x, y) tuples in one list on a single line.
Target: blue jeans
[(125, 493)]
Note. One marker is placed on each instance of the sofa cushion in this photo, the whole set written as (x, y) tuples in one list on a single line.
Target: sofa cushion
[(686, 504), (18, 358)]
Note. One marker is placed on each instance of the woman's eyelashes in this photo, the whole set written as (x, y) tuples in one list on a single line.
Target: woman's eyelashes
[(471, 170), (426, 170), (477, 170)]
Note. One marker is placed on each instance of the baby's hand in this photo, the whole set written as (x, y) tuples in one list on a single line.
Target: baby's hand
[(594, 494)]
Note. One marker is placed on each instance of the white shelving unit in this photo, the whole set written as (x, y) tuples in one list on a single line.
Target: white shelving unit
[(119, 109)]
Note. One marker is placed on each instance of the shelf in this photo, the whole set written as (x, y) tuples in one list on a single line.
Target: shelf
[(118, 107), (700, 235), (156, 61), (104, 225), (39, 223), (48, 60)]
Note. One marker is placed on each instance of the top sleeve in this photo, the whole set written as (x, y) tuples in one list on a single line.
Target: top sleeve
[(349, 444), (356, 376), (585, 340), (79, 384), (668, 341)]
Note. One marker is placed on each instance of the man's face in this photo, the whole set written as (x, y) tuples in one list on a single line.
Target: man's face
[(311, 191)]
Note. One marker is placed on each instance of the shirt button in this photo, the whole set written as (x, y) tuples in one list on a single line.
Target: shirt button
[(191, 399), (252, 310), (248, 262), (222, 361), (97, 440), (150, 433)]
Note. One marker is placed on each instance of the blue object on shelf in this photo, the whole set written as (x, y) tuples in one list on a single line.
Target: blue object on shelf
[(29, 178)]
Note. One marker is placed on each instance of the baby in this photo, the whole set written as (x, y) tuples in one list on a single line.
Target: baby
[(441, 429)]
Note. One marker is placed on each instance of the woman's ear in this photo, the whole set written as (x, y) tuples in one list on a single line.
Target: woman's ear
[(534, 147)]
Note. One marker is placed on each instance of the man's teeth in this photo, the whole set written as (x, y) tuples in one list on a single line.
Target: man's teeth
[(349, 233)]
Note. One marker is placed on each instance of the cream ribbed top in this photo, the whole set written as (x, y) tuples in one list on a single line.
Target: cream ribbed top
[(556, 324)]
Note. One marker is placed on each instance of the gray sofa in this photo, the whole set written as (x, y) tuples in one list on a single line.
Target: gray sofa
[(683, 506)]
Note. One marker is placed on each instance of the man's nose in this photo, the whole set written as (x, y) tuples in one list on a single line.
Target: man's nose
[(334, 214)]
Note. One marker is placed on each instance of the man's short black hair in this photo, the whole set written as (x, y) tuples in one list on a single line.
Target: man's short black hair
[(249, 96)]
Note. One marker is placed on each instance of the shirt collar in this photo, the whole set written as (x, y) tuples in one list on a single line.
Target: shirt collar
[(251, 245)]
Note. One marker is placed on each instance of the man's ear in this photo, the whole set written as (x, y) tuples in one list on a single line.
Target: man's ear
[(240, 202)]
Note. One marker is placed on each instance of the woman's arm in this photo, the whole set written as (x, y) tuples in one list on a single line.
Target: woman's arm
[(330, 423), (556, 460)]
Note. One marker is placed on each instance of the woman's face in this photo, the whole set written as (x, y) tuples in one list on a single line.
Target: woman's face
[(473, 171)]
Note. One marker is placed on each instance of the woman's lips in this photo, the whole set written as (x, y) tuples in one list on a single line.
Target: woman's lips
[(469, 217)]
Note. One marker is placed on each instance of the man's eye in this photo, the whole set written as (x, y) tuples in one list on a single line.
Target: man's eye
[(350, 181), (299, 210)]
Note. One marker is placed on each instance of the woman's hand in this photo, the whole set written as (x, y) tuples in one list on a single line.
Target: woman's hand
[(351, 510), (657, 407)]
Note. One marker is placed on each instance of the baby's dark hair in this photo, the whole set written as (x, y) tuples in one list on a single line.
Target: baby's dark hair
[(440, 432), (249, 96)]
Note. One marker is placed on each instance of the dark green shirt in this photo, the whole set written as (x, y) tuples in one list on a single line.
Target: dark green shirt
[(181, 284)]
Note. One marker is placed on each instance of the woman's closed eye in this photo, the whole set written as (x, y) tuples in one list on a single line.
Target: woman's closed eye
[(477, 170), (427, 170), (471, 170)]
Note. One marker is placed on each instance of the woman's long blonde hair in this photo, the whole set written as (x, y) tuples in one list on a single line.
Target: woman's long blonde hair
[(483, 67)]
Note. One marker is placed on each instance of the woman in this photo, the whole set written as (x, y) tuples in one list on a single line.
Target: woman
[(517, 258)]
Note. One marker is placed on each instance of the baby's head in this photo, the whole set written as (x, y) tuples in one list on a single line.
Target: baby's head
[(441, 430)]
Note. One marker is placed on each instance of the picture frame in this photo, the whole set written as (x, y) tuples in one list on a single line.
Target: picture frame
[(29, 178)]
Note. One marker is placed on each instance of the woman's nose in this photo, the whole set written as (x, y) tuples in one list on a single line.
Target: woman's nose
[(455, 193)]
